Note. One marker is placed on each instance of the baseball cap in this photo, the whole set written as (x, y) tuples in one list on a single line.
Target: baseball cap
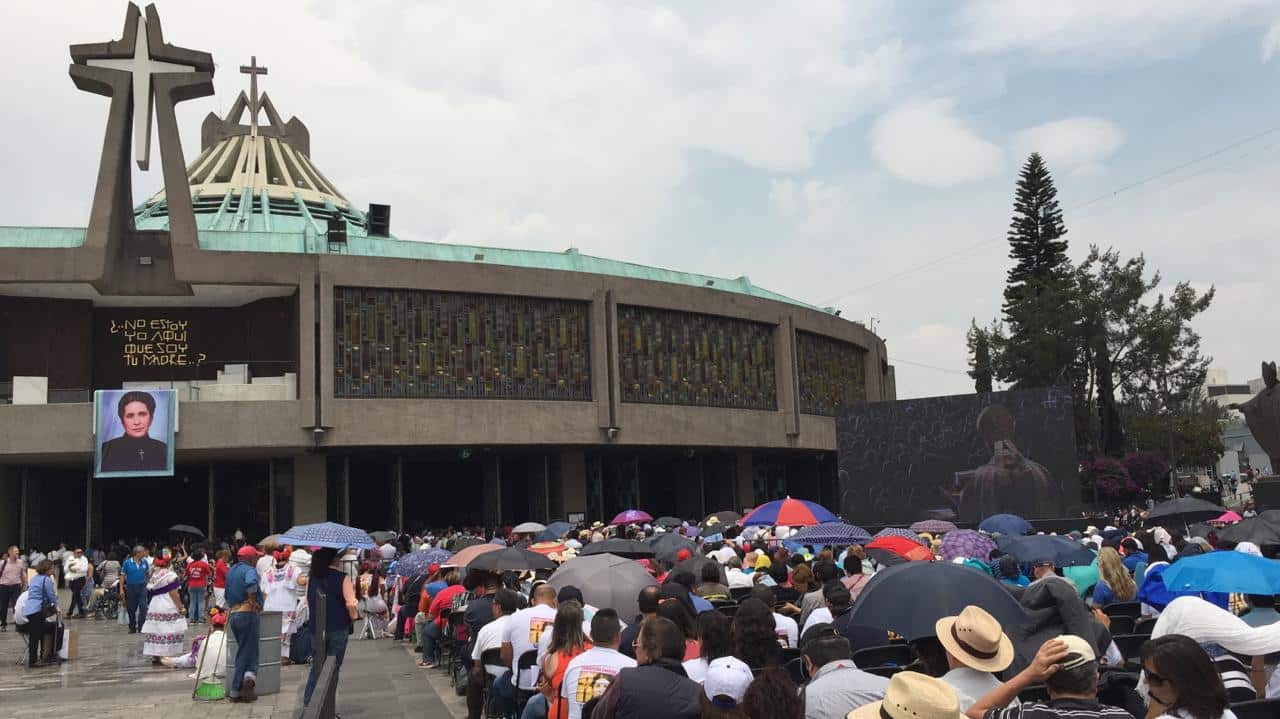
[(727, 677), (1080, 652), (247, 550)]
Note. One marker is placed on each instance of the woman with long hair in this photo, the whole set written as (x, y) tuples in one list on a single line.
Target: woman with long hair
[(755, 638), (715, 640), (567, 641), (1182, 682), (1114, 583), (681, 617), (772, 696)]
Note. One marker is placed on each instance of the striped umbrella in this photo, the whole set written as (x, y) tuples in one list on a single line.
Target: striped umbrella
[(789, 513), (900, 532), (933, 526), (966, 543), (902, 547), (833, 533)]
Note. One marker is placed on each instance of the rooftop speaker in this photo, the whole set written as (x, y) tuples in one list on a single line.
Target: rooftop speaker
[(379, 218), (336, 232)]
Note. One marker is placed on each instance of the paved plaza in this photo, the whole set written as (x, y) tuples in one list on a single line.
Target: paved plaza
[(110, 679)]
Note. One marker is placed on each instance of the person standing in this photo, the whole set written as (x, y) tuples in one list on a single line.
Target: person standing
[(109, 571), (133, 590), (165, 625), (198, 574), (75, 567), (278, 587), (13, 582), (242, 598), (42, 594), (329, 585), (220, 568)]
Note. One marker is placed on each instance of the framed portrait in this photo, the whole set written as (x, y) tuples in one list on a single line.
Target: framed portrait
[(134, 432), (577, 517)]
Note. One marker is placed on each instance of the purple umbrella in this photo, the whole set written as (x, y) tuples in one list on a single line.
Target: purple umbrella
[(934, 526), (966, 543), (632, 516), (900, 532)]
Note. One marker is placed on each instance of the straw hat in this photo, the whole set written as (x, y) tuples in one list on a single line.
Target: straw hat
[(976, 639), (912, 695)]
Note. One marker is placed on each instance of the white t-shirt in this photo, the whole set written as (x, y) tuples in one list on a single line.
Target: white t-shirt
[(696, 669), (788, 631), (821, 615), (524, 632), (589, 675), (490, 637), (264, 566), (737, 579)]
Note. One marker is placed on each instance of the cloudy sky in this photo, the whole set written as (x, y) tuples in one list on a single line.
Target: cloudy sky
[(860, 155)]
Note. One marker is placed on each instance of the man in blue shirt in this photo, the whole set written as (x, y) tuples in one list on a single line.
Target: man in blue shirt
[(243, 605), (133, 590)]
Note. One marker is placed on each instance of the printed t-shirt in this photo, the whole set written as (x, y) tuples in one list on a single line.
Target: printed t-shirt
[(788, 632), (490, 637), (198, 574), (589, 674), (524, 632)]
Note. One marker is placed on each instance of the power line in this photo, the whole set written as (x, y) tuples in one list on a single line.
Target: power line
[(1074, 208), (898, 360)]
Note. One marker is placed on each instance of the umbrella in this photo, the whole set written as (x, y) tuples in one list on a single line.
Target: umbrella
[(465, 541), (1262, 529), (833, 533), (1006, 524), (511, 560), (528, 528), (1061, 551), (186, 529), (554, 531), (415, 564), (605, 580), (910, 598), (1224, 572), (1183, 511), (694, 565), (667, 546), (626, 548), (270, 539), (719, 520), (934, 526), (632, 516), (327, 534), (900, 532), (464, 556), (383, 535), (790, 513), (968, 544), (668, 522), (902, 547), (546, 548), (1229, 518)]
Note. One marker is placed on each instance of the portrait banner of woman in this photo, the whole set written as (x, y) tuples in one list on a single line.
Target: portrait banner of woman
[(133, 432)]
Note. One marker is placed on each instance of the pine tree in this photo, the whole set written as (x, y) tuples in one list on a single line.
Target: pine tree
[(979, 342), (1040, 346)]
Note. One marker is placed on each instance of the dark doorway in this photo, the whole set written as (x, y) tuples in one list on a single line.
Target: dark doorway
[(671, 485), (242, 499), (524, 488), (371, 492), (55, 505), (143, 508), (442, 492)]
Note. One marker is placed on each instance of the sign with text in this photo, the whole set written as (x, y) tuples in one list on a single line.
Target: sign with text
[(155, 342), (133, 432)]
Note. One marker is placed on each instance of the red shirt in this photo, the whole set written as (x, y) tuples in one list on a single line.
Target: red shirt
[(220, 574), (442, 601), (198, 574)]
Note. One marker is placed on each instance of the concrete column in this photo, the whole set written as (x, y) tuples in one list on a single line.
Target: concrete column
[(397, 484), (325, 360), (746, 485), (88, 508), (602, 372), (310, 485), (787, 377), (307, 359), (573, 480), (10, 506), (213, 497), (491, 492)]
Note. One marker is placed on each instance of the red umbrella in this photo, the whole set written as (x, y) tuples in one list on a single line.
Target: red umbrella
[(902, 547), (545, 548), (464, 557), (790, 513)]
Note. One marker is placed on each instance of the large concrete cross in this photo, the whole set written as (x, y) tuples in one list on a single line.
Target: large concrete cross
[(253, 71)]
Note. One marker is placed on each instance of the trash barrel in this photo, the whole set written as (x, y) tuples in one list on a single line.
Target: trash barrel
[(268, 678)]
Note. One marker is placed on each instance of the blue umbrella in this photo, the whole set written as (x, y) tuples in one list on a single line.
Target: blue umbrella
[(1006, 524), (833, 533), (1046, 547), (554, 531), (1224, 572), (327, 534), (900, 532), (415, 564)]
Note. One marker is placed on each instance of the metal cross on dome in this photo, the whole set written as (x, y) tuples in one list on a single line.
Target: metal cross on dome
[(253, 71), (145, 56)]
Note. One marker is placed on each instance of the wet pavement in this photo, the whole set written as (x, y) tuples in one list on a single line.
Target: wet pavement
[(111, 678)]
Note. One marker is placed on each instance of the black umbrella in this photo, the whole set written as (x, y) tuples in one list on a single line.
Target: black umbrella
[(885, 558), (719, 522), (512, 559), (910, 598), (694, 565), (628, 548), (1184, 511), (1262, 529), (186, 529), (667, 546), (1061, 551), (605, 581), (462, 543), (668, 522)]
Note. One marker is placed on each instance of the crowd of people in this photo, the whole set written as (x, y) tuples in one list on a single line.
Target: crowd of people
[(731, 623)]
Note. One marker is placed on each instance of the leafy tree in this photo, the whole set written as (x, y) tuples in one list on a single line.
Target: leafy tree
[(979, 342), (1148, 470), (1112, 478), (1190, 433), (1040, 346)]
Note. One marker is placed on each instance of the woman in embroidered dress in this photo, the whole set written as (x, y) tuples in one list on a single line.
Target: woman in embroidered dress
[(166, 617), (278, 588)]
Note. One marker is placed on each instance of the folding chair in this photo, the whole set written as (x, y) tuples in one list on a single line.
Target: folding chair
[(526, 661), (1122, 625), (1257, 709), (1123, 609), (1130, 645), (889, 654), (487, 657)]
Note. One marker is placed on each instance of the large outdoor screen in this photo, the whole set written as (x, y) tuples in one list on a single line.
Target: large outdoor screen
[(972, 455), (133, 432)]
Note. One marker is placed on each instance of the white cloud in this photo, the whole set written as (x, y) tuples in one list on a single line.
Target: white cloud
[(1073, 143), (1271, 43), (925, 143)]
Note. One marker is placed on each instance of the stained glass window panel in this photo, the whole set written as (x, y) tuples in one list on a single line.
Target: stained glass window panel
[(832, 374)]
